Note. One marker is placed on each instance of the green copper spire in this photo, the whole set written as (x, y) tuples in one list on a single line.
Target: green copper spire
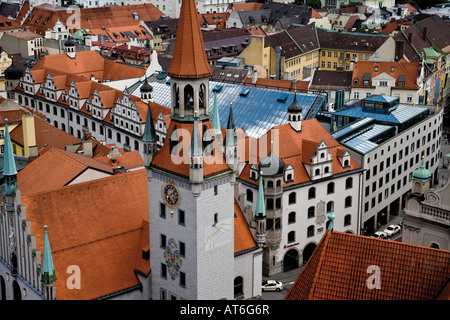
[(331, 217), (196, 141), (9, 165), (422, 173), (48, 270), (215, 116), (260, 211), (231, 138), (149, 130)]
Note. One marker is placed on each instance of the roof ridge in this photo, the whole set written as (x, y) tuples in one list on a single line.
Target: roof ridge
[(99, 239), (78, 185)]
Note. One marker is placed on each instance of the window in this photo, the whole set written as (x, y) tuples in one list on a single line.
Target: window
[(349, 183), (216, 191), (311, 212), (347, 220), (162, 210), (182, 279), (291, 217), (249, 195), (163, 241), (330, 188), (181, 217), (348, 201), (291, 237), (163, 271), (216, 218), (312, 193), (182, 249), (310, 231), (292, 197), (330, 206)]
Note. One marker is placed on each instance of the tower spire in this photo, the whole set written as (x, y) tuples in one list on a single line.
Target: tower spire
[(48, 278), (149, 138), (9, 165), (189, 58), (260, 214)]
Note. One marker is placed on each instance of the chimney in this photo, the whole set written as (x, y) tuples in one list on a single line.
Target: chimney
[(254, 76), (425, 33), (87, 148), (410, 35), (399, 49), (29, 136)]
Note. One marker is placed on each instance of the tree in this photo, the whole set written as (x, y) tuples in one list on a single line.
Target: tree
[(311, 3)]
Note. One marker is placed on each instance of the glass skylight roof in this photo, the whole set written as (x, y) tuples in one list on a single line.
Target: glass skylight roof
[(256, 111)]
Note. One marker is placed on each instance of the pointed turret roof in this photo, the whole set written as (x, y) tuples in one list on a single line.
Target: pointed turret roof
[(231, 138), (48, 269), (189, 58), (215, 116), (196, 148), (146, 87), (295, 107), (9, 165), (422, 173), (260, 210), (149, 130)]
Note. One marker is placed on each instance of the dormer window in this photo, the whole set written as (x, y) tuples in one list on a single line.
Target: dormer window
[(356, 81), (253, 172)]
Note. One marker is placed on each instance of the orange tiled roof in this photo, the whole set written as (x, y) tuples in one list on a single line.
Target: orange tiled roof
[(189, 58), (408, 69), (13, 116), (315, 14), (54, 169), (338, 270), (46, 15), (127, 160), (94, 233), (8, 24), (296, 149), (115, 32), (243, 239), (47, 136), (246, 6), (87, 64), (180, 164)]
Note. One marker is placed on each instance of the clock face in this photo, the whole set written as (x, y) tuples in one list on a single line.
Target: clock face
[(170, 194)]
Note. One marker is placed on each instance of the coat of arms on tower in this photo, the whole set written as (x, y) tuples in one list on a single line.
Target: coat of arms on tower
[(173, 259)]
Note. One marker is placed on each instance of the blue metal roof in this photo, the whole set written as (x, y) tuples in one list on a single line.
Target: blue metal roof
[(255, 109), (401, 114)]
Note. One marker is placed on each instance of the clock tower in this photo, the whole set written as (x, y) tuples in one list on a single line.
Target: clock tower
[(191, 187)]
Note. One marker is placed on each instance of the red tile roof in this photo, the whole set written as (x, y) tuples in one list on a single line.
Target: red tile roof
[(46, 15), (243, 239), (408, 69), (179, 164), (189, 58), (87, 228), (56, 168), (343, 264), (296, 149)]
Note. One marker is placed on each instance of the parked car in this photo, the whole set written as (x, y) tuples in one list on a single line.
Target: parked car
[(272, 285), (392, 229), (379, 235)]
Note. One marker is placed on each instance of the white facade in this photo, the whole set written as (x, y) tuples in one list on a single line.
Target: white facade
[(389, 168)]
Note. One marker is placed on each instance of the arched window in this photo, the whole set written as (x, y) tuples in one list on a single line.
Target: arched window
[(188, 96), (348, 201), (202, 96), (310, 231), (349, 183), (312, 193), (311, 212), (326, 169), (291, 237), (291, 217), (330, 188), (330, 205), (249, 193), (176, 91), (292, 198), (16, 291), (136, 145), (317, 172), (346, 163), (269, 184), (347, 220), (238, 286)]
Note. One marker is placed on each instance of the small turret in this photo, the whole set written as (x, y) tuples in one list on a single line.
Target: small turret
[(231, 143), (69, 47), (196, 156), (260, 215), (295, 115), (421, 180), (149, 138), (48, 277), (146, 92)]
